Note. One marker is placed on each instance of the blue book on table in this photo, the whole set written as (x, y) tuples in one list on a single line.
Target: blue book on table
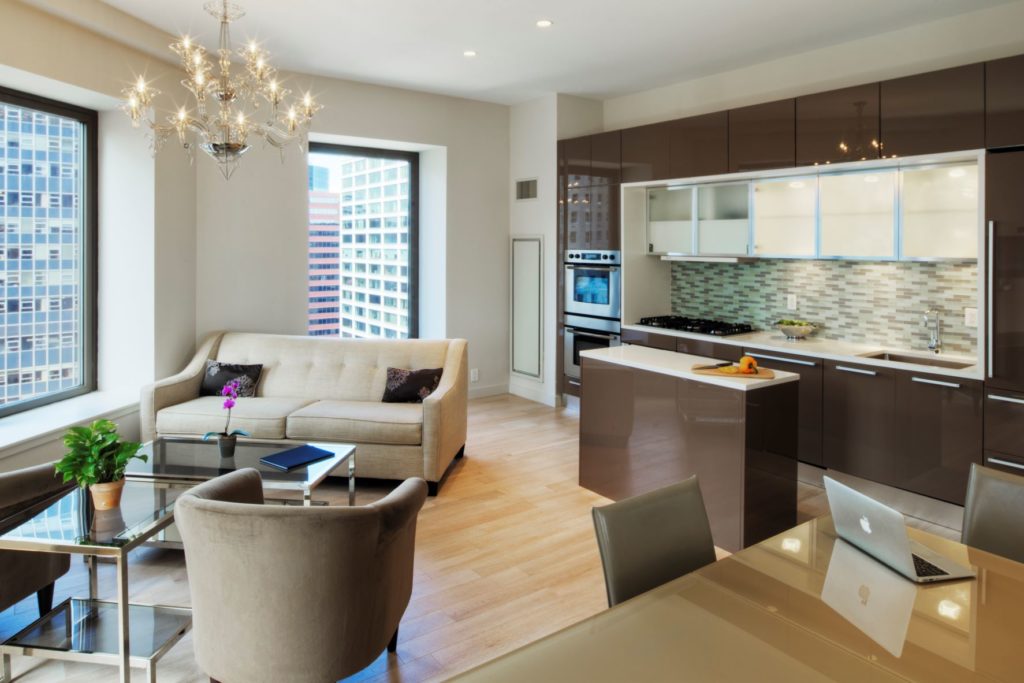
[(295, 457)]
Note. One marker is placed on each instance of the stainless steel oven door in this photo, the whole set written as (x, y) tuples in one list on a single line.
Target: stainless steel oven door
[(592, 290), (577, 340)]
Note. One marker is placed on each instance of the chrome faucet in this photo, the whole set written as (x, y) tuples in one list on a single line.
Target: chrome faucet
[(932, 320)]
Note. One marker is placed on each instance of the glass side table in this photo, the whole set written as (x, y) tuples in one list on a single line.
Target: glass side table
[(79, 629)]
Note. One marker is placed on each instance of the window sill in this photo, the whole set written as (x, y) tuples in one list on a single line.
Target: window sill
[(25, 430)]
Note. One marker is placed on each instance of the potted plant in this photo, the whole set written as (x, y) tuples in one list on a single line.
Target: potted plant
[(226, 439), (96, 458)]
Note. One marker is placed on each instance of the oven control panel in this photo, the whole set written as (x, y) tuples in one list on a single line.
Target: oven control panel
[(607, 258)]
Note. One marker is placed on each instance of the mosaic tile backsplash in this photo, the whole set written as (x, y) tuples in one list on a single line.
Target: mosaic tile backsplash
[(860, 302)]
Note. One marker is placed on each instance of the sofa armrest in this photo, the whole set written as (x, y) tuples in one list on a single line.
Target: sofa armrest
[(445, 413), (175, 389), (21, 488)]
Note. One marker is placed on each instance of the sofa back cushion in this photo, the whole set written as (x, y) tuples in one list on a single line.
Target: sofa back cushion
[(328, 368)]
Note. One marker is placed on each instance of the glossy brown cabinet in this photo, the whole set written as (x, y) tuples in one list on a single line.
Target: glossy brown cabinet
[(810, 406), (577, 161), (650, 339), (1004, 425), (604, 218), (860, 425), (762, 136), (839, 125), (605, 158), (938, 111), (577, 218), (1004, 102), (940, 434), (699, 146), (1004, 206), (645, 152), (708, 349)]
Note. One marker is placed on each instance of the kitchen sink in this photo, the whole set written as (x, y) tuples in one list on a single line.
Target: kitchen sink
[(933, 361)]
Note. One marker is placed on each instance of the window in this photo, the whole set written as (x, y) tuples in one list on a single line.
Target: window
[(48, 165), (349, 182)]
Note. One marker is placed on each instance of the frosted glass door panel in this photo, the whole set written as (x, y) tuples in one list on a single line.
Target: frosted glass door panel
[(784, 220), (858, 215), (723, 219), (940, 212), (527, 306), (670, 220)]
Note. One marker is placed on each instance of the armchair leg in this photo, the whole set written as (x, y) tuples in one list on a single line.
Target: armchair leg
[(393, 645), (44, 599)]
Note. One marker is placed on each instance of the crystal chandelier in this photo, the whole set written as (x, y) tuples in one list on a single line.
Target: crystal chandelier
[(229, 108)]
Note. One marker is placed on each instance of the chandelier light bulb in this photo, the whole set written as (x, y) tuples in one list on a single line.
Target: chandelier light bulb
[(182, 114), (186, 42), (140, 85), (197, 58)]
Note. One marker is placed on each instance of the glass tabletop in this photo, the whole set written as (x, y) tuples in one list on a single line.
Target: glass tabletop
[(198, 460), (70, 522)]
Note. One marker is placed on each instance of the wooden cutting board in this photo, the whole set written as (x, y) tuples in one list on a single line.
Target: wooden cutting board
[(762, 373)]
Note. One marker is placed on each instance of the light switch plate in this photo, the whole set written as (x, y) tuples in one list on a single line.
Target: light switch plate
[(971, 317), (791, 302)]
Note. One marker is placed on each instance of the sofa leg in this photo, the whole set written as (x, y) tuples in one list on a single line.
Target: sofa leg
[(44, 599), (433, 487), (393, 645)]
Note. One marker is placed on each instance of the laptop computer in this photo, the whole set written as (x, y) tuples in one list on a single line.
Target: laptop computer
[(881, 532), (870, 596)]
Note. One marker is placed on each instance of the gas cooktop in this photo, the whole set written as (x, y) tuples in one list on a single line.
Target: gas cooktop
[(699, 325)]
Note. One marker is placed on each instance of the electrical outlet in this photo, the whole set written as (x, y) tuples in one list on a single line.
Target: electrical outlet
[(970, 317), (791, 302), (474, 374)]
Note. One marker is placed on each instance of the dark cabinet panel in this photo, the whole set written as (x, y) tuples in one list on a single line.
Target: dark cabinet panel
[(940, 434), (708, 349), (860, 426), (839, 125), (699, 145), (577, 161), (645, 153), (604, 218), (605, 158), (1004, 102), (810, 407), (1004, 423), (1004, 206), (651, 339), (762, 136), (578, 218), (938, 111)]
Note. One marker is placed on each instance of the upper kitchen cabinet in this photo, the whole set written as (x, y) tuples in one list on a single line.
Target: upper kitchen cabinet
[(578, 218), (1004, 102), (938, 111), (576, 153), (762, 136), (605, 158), (785, 217), (723, 219), (1004, 206), (858, 214), (839, 125), (699, 145), (940, 212), (645, 153), (670, 220), (604, 218)]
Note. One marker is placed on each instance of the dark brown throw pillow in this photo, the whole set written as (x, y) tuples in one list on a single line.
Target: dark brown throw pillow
[(217, 374), (410, 386)]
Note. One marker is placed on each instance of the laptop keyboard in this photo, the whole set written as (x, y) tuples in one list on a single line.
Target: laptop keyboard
[(925, 568)]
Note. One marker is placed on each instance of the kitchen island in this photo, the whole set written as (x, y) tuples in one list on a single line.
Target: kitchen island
[(647, 420)]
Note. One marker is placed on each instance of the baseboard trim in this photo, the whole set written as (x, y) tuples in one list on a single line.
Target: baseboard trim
[(531, 391), (488, 390)]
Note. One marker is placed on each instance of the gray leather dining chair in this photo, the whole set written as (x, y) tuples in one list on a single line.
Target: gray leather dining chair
[(652, 538), (993, 512), (287, 593), (25, 573)]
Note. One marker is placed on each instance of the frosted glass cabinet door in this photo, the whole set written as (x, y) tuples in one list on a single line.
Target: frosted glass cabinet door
[(858, 215), (940, 212), (784, 220), (670, 220), (723, 219)]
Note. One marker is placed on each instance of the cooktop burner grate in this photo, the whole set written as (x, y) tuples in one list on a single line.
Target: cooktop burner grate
[(698, 325)]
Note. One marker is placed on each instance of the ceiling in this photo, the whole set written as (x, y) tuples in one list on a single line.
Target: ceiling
[(596, 48)]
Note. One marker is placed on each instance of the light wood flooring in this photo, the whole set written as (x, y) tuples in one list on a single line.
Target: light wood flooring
[(504, 555)]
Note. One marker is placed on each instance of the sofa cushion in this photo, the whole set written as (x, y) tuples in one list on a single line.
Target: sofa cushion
[(358, 422), (263, 418)]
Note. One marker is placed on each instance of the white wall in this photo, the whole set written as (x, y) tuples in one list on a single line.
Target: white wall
[(973, 37)]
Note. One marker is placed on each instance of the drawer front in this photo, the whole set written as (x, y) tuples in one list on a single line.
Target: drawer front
[(651, 339), (1004, 422), (1005, 463), (709, 349), (810, 406)]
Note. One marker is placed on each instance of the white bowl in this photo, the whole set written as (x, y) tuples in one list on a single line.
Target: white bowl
[(797, 331)]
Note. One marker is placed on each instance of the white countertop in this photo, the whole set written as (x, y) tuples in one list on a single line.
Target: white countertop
[(680, 365), (828, 349)]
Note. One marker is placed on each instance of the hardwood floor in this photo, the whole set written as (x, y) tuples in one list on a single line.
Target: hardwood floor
[(504, 555)]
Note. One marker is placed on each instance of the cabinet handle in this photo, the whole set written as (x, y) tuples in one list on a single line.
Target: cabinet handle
[(574, 382), (1004, 463), (989, 277), (922, 380), (1006, 399), (872, 373), (782, 360)]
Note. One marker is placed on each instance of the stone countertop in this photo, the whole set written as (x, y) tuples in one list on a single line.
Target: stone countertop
[(680, 365), (828, 349)]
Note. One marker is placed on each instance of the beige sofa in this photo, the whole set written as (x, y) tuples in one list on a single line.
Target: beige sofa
[(327, 389)]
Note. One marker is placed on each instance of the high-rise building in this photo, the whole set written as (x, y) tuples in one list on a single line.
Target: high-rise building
[(319, 178), (324, 243)]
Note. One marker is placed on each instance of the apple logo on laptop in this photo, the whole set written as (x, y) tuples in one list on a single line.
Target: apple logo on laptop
[(864, 593), (865, 524)]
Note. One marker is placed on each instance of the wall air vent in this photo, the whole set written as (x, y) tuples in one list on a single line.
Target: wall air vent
[(526, 189)]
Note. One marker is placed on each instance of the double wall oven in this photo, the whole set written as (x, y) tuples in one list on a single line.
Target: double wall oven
[(592, 304)]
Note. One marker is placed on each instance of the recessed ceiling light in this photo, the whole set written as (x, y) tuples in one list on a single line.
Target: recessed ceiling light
[(469, 53), (545, 23)]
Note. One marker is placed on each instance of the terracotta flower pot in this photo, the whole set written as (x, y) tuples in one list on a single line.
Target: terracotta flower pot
[(107, 496), (227, 445)]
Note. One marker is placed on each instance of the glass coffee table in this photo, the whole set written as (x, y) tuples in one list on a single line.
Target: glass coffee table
[(181, 463), (87, 629)]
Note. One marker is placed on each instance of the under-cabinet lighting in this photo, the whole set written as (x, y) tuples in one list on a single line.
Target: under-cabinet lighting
[(957, 173), (797, 184), (545, 23), (469, 53)]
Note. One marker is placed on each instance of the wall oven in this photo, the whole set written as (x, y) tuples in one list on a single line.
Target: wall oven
[(583, 334), (593, 283)]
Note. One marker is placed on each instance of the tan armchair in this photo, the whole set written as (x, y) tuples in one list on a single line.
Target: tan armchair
[(294, 593), (25, 573)]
